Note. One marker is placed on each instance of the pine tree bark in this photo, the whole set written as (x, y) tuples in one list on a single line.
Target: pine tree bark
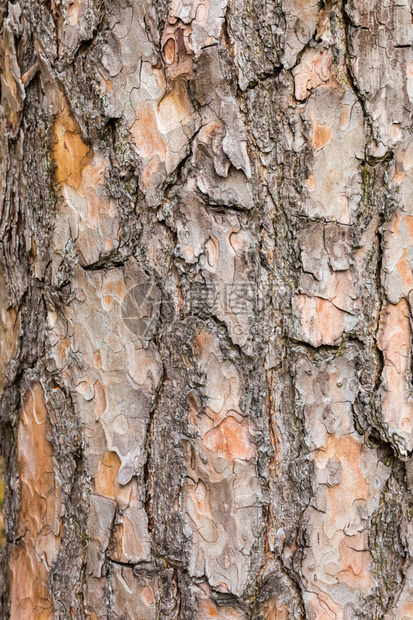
[(206, 283)]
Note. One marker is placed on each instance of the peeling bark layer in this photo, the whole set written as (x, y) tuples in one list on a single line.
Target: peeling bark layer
[(206, 235)]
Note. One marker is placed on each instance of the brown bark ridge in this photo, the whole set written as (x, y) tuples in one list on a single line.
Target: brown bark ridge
[(206, 280)]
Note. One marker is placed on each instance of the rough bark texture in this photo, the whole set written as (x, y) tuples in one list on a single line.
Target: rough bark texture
[(206, 292)]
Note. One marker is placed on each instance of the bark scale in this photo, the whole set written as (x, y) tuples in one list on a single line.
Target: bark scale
[(205, 344)]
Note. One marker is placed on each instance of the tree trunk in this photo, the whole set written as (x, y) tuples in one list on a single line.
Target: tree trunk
[(206, 296)]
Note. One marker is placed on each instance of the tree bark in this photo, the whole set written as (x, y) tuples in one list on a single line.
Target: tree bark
[(206, 249)]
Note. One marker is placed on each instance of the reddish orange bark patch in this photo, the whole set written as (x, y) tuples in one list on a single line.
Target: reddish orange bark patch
[(355, 561), (39, 518), (322, 136), (321, 321), (354, 558), (169, 51), (106, 481), (322, 607), (231, 439), (148, 595), (176, 49), (208, 610), (175, 107), (273, 609), (313, 71), (100, 398), (395, 342), (70, 153), (146, 136), (353, 484), (73, 12)]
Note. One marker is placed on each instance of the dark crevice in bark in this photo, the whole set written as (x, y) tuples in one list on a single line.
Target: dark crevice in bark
[(147, 471), (353, 80), (262, 77), (389, 552), (325, 351), (105, 264), (87, 44)]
